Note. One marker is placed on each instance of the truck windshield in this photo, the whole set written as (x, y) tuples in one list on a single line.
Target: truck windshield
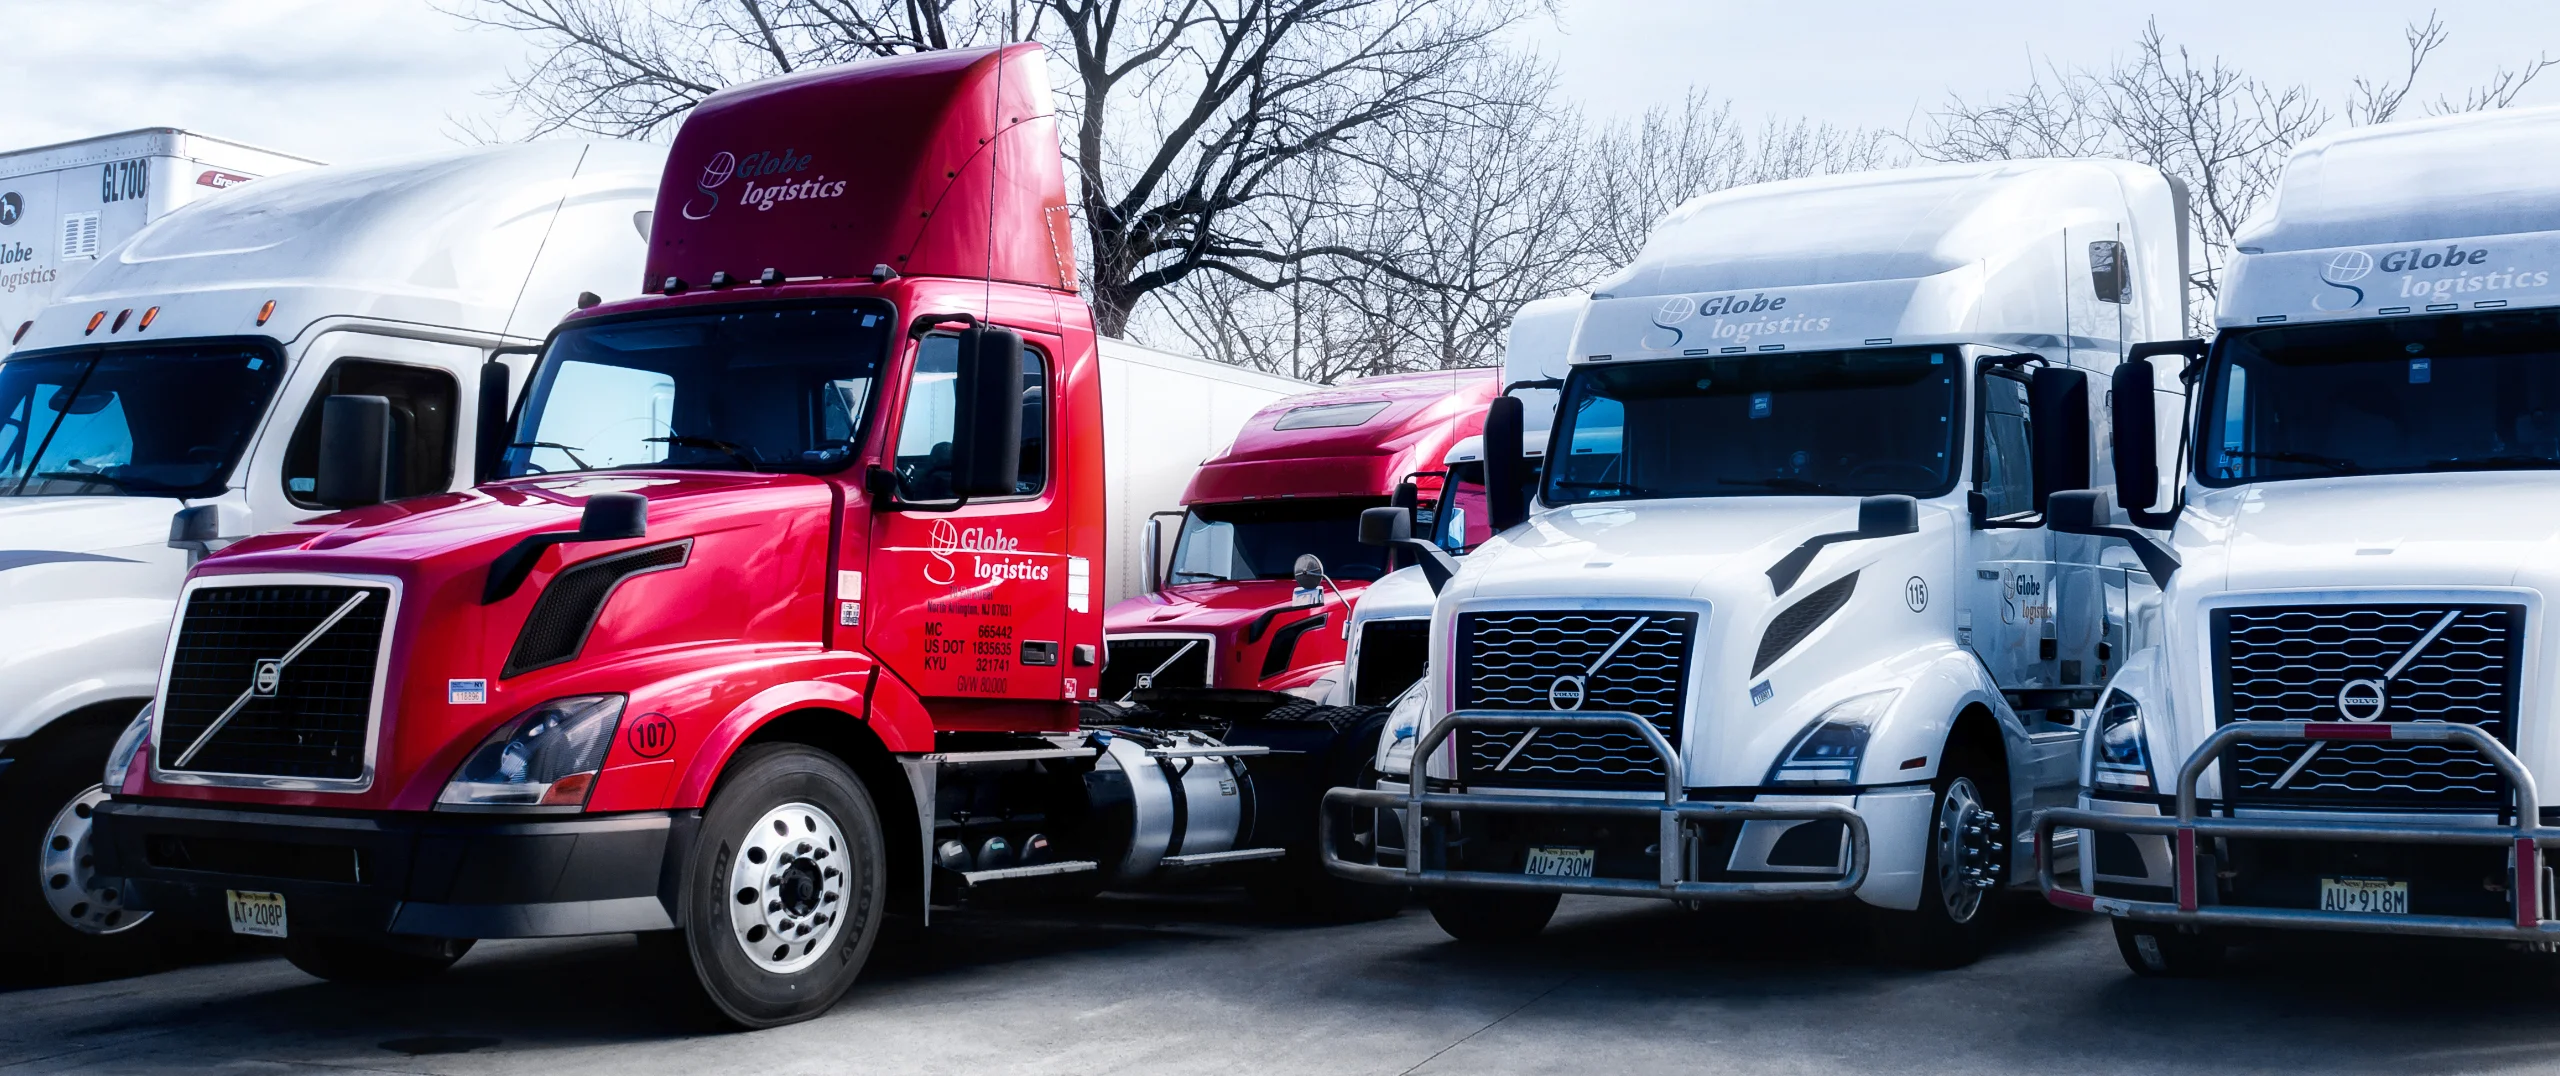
[(2463, 392), (1233, 542), (766, 388), (141, 422), (1465, 517), (1843, 423)]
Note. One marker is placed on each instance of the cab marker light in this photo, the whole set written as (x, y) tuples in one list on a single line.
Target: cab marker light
[(21, 334), (266, 311), (121, 317), (94, 321), (147, 317)]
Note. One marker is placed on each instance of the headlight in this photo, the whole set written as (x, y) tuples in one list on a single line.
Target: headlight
[(2122, 761), (1827, 751), (546, 757), (1404, 725), (128, 745)]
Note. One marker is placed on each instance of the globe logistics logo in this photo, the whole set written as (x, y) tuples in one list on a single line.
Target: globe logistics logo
[(2343, 270)]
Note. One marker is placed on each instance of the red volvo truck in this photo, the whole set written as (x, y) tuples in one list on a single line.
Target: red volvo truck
[(1237, 613), (803, 630)]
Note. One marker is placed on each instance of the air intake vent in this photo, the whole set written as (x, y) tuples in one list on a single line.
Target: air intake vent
[(1284, 644), (1800, 619), (567, 610)]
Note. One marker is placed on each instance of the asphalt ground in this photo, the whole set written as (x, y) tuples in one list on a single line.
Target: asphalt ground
[(1196, 984)]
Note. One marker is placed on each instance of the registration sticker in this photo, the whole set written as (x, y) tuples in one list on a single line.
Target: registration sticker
[(255, 913), (2365, 896), (466, 692), (1560, 862)]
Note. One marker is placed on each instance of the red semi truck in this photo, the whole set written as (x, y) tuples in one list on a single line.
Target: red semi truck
[(828, 651), (1231, 613)]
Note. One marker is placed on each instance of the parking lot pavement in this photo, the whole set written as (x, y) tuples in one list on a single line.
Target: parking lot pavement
[(1194, 984)]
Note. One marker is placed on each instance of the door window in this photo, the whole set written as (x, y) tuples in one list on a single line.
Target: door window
[(422, 427), (925, 430), (2006, 478)]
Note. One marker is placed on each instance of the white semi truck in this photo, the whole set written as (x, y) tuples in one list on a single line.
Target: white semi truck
[(1783, 620), (170, 403), (2328, 723), (63, 205)]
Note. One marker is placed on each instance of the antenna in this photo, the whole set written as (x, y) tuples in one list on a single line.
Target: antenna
[(995, 150)]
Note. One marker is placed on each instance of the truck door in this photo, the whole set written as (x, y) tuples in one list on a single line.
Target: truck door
[(2009, 607), (968, 600), (429, 386)]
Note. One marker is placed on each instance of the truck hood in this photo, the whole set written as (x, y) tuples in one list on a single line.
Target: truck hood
[(2476, 529), (425, 529), (55, 549), (1205, 606)]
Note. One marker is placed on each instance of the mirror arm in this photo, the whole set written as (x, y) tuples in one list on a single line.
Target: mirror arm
[(2156, 556), (1436, 563)]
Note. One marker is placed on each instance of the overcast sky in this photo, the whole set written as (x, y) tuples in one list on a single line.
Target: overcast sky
[(344, 80)]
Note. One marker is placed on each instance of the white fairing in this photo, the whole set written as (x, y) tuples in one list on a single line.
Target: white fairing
[(1536, 349), (1983, 260), (428, 263)]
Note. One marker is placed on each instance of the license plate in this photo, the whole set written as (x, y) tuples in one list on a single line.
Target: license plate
[(1560, 862), (2367, 896), (252, 912)]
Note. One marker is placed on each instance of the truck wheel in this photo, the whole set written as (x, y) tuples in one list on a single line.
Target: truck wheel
[(1299, 886), (2157, 950), (1478, 916), (783, 886), (1960, 881), (388, 959), (53, 899)]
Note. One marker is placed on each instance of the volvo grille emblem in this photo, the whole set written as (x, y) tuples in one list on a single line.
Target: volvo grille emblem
[(1565, 693), (2361, 700), (270, 676)]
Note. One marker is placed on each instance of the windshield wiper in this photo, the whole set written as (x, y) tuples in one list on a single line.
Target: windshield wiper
[(1621, 487), (2340, 464), (104, 479), (2494, 463), (565, 450), (734, 451), (1791, 485)]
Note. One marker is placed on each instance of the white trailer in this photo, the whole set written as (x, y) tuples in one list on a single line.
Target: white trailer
[(1162, 416), (62, 205), (1784, 620), (168, 404), (2327, 722)]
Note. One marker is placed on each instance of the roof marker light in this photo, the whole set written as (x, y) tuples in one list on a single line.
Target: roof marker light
[(94, 321), (675, 285), (148, 316), (720, 278), (122, 316), (770, 277), (21, 334), (266, 311)]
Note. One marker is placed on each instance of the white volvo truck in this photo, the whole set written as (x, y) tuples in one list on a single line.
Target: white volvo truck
[(170, 403), (1783, 621), (2330, 725)]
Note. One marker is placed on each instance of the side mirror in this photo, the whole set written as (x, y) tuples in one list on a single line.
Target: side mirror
[(2085, 511), (1152, 541), (355, 452), (201, 529), (1886, 515), (1309, 571), (1385, 526), (2136, 440), (986, 438), (612, 517), (496, 432), (2058, 411), (1505, 465)]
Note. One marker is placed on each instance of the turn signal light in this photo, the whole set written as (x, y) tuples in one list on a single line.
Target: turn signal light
[(147, 317), (266, 311), (94, 321)]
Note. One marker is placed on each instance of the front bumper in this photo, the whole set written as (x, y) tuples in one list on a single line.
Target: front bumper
[(433, 875), (1675, 850), (2527, 885)]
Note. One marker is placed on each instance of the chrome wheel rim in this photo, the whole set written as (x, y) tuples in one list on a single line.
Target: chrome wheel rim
[(84, 900), (787, 887), (1968, 847)]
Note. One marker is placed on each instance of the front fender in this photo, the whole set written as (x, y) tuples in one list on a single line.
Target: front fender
[(1909, 745), (721, 740), (62, 656)]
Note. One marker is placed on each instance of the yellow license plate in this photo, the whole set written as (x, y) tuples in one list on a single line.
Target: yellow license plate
[(255, 913)]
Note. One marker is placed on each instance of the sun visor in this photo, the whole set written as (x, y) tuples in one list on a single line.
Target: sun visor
[(937, 164)]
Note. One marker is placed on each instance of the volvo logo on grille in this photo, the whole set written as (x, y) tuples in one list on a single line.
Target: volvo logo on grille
[(268, 678), (1565, 693), (2362, 700)]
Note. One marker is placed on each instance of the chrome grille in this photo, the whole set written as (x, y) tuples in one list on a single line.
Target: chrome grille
[(2292, 663), (312, 719), (1125, 661), (1513, 660)]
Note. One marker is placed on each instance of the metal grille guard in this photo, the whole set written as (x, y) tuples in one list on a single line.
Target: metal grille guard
[(2526, 836), (1673, 812)]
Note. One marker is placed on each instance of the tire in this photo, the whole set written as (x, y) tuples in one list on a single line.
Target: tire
[(1481, 917), (789, 856), (1958, 914), (1298, 886), (386, 959), (2160, 951), (54, 904)]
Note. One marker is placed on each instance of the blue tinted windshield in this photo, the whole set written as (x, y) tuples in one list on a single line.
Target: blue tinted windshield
[(162, 421)]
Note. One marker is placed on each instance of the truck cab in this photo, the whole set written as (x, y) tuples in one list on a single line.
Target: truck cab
[(170, 404), (2325, 721), (1784, 619), (1230, 610)]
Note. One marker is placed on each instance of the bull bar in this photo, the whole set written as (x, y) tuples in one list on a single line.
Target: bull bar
[(1674, 811), (2527, 837)]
